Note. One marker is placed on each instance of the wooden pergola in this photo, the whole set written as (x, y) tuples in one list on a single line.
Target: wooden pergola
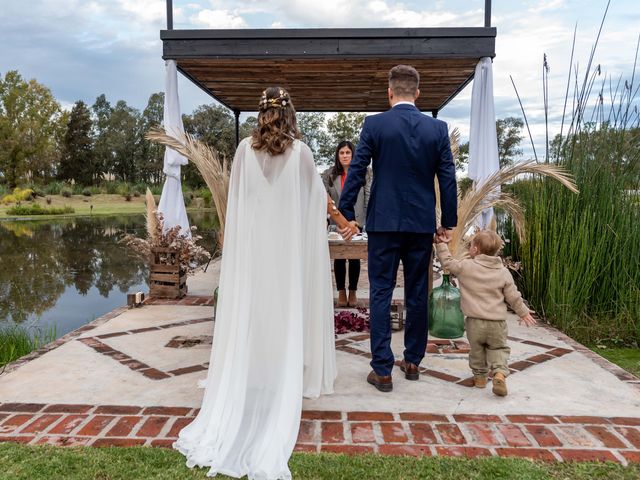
[(327, 70)]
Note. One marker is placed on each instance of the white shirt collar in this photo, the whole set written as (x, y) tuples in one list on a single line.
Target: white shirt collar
[(405, 103)]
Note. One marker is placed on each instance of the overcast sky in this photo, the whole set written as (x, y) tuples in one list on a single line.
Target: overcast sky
[(82, 48)]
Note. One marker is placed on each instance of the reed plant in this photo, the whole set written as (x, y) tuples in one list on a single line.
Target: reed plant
[(214, 170), (580, 254), (17, 341)]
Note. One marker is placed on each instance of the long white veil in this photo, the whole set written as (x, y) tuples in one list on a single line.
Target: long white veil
[(274, 337)]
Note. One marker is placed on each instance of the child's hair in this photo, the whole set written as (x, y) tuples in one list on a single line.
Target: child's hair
[(487, 242)]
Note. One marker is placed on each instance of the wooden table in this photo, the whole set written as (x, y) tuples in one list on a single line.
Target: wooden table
[(356, 249)]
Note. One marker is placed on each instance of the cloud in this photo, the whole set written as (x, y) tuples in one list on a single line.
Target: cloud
[(545, 5), (81, 48), (218, 19), (357, 13), (147, 11)]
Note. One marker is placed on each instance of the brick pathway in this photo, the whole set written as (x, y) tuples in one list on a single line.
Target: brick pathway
[(459, 421), (541, 437)]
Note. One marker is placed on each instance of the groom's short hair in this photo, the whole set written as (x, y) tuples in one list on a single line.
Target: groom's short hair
[(404, 80)]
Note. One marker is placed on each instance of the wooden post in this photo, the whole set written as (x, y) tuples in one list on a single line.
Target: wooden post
[(487, 13), (237, 115), (169, 14)]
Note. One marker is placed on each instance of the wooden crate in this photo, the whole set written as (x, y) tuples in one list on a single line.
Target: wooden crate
[(166, 279)]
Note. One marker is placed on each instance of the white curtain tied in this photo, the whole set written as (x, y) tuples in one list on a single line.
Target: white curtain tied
[(483, 140), (171, 204)]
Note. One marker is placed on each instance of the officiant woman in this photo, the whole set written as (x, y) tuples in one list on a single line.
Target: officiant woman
[(333, 179)]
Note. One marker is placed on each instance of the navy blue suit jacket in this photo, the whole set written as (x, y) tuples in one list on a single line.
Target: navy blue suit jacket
[(408, 150)]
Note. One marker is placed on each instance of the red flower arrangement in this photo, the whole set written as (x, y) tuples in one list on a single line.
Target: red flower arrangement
[(349, 321)]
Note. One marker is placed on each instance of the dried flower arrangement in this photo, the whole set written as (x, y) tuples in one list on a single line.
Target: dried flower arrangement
[(214, 170), (192, 256)]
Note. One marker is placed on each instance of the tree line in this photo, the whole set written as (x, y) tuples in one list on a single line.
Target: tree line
[(41, 142)]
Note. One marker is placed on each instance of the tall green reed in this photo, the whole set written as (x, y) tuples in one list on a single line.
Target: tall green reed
[(581, 253), (17, 341)]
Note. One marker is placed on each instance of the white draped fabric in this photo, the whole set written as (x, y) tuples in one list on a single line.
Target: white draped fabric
[(172, 201), (274, 337), (483, 140)]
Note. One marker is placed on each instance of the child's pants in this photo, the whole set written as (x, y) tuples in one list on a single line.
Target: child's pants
[(488, 342)]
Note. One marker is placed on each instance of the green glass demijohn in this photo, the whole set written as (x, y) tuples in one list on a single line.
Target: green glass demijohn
[(446, 319)]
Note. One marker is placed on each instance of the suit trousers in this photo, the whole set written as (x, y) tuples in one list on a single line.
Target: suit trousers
[(386, 250)]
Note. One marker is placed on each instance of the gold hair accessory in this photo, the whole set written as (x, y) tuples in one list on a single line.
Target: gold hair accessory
[(279, 102)]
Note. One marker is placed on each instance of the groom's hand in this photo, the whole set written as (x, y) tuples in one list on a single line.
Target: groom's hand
[(444, 234), (348, 231)]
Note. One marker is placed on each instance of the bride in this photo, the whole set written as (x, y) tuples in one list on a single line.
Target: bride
[(273, 339)]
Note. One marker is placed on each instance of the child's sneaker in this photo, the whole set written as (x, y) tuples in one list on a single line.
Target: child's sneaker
[(480, 381), (499, 384)]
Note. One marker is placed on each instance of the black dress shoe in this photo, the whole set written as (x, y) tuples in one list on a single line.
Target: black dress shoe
[(411, 371), (382, 383)]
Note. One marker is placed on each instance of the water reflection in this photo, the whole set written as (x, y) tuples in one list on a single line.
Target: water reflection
[(66, 272)]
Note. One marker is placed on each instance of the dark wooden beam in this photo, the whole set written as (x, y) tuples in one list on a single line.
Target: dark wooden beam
[(423, 43), (336, 33)]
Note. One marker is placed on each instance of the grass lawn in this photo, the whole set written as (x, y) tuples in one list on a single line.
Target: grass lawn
[(103, 204), (627, 358), (21, 463)]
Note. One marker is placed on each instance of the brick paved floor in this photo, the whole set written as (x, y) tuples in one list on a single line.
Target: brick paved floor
[(541, 437), (130, 378)]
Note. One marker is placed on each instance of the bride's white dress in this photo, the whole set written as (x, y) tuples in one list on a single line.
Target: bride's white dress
[(273, 337)]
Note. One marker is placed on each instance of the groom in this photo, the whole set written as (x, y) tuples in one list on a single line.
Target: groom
[(408, 150)]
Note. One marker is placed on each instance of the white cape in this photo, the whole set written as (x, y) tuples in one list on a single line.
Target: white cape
[(274, 336)]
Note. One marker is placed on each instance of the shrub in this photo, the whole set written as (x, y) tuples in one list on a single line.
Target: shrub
[(23, 194), (86, 192), (66, 192), (7, 199), (124, 189), (139, 188), (53, 188), (205, 194), (156, 189), (48, 200), (188, 198), (18, 195), (37, 209), (111, 188), (464, 184), (127, 197)]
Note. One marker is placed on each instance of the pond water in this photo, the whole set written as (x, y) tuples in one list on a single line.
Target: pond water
[(61, 274)]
